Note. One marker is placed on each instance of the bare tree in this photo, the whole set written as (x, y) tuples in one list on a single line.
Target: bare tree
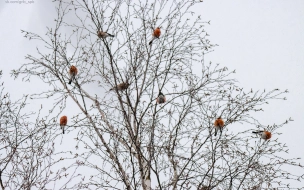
[(26, 149), (129, 137)]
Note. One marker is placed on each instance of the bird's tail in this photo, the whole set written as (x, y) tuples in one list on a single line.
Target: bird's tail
[(62, 129), (111, 35), (256, 132), (215, 132), (70, 81), (151, 41)]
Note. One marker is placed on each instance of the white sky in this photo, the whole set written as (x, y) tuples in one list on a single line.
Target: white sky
[(262, 40)]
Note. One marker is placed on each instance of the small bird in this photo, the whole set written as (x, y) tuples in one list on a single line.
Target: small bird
[(161, 98), (218, 124), (73, 72), (206, 188), (63, 122), (156, 33), (264, 134), (104, 35), (121, 86)]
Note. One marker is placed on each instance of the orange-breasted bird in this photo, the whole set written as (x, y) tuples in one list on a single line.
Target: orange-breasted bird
[(121, 86), (73, 72), (161, 98), (63, 122), (264, 134), (104, 35), (218, 125), (156, 33)]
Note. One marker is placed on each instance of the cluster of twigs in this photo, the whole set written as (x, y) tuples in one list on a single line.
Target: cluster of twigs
[(123, 139)]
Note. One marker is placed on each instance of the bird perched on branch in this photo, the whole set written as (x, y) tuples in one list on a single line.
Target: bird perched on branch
[(156, 33), (218, 125), (206, 187), (63, 122), (161, 98), (121, 86), (264, 134), (104, 35), (73, 72)]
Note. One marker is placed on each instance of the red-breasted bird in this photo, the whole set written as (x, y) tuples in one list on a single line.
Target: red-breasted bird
[(161, 98), (156, 33), (73, 72), (63, 122), (264, 134), (104, 35), (218, 125), (121, 86)]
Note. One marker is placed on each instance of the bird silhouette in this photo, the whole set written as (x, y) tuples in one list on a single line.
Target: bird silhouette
[(104, 35), (264, 134), (73, 72), (218, 125), (121, 86), (161, 98), (156, 33), (63, 122)]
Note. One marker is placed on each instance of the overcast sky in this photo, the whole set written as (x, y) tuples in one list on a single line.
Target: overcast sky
[(262, 40)]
